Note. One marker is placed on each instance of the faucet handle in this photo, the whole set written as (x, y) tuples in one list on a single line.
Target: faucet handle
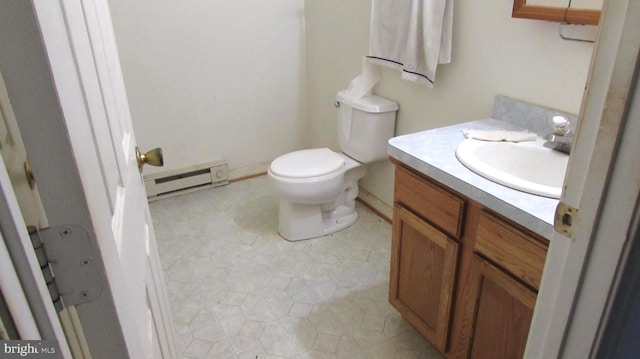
[(560, 125)]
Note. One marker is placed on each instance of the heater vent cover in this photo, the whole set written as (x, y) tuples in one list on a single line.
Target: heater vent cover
[(206, 175)]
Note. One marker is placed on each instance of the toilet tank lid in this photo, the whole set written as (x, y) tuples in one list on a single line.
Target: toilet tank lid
[(370, 104), (307, 163)]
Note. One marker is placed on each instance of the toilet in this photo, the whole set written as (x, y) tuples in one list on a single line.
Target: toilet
[(318, 187)]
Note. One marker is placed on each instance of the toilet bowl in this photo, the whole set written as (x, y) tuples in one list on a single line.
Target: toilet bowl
[(318, 187), (316, 197)]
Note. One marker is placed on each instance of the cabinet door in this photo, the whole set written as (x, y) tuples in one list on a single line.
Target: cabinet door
[(497, 314), (423, 267)]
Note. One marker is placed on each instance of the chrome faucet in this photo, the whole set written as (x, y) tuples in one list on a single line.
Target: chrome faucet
[(562, 138)]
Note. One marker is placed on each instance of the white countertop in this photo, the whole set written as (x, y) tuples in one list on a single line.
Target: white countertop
[(433, 154)]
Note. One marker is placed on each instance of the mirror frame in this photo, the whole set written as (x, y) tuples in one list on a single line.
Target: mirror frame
[(567, 15)]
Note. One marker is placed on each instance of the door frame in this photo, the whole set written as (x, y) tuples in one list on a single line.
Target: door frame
[(23, 284), (581, 271)]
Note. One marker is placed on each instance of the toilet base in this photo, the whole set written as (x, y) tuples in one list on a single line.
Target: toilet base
[(305, 221), (301, 219)]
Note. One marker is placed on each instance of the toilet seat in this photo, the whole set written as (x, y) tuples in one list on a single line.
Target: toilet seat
[(314, 162)]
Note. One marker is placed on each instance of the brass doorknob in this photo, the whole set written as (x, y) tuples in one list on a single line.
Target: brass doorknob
[(153, 158)]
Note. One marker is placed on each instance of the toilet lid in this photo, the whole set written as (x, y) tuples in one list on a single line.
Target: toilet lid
[(307, 163)]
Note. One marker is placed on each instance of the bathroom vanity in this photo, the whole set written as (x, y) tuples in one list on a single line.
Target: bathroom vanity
[(467, 253)]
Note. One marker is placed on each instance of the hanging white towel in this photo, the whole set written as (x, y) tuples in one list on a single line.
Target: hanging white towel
[(413, 36)]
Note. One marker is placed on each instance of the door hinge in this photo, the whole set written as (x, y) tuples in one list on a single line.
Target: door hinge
[(68, 264), (564, 219)]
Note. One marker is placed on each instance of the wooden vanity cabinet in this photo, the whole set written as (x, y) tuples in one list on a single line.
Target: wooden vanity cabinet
[(464, 277)]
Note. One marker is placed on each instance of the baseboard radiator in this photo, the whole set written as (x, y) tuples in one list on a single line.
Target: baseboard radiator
[(186, 179)]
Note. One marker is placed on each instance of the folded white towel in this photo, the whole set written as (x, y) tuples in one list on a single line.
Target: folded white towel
[(411, 35), (500, 135)]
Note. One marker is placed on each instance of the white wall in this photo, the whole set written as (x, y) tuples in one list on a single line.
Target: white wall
[(214, 79), (248, 80), (492, 54)]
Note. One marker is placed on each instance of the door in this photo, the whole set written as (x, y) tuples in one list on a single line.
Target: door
[(80, 46)]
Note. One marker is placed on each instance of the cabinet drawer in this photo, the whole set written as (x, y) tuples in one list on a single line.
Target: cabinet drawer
[(510, 248), (441, 207)]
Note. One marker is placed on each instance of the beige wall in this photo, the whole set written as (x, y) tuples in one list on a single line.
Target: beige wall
[(249, 80), (492, 54), (214, 79)]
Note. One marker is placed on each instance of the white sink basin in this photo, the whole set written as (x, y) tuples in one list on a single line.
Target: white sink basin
[(526, 166)]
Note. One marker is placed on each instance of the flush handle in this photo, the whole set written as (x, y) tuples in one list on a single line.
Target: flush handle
[(153, 158)]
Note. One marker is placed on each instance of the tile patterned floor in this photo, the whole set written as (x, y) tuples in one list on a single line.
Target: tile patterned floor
[(238, 290)]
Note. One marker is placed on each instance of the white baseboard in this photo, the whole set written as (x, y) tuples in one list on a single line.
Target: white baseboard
[(383, 209), (248, 171)]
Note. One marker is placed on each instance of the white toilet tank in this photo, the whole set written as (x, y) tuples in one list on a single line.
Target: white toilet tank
[(365, 127)]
